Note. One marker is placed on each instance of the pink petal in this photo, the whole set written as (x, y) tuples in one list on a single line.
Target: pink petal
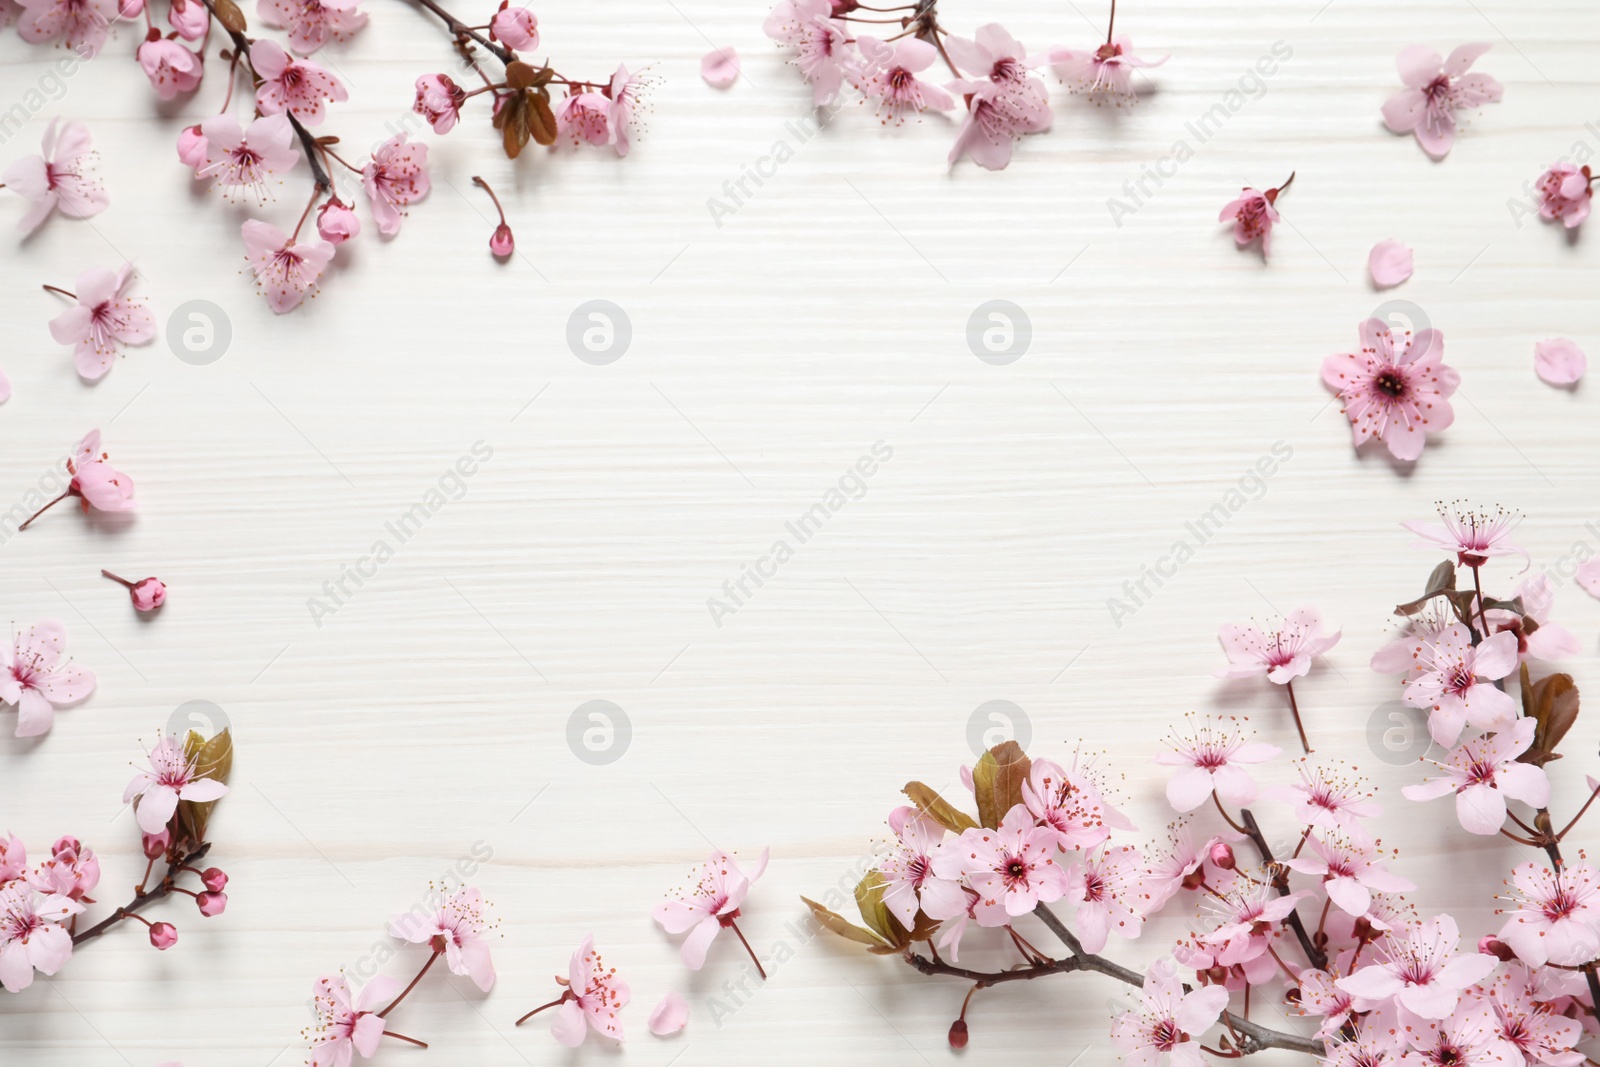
[(1481, 809), (1404, 110), (669, 1016), (1418, 65), (1390, 263), (694, 947), (568, 1027), (1558, 361), (1464, 56), (35, 713), (1589, 576), (720, 67), (1189, 788)]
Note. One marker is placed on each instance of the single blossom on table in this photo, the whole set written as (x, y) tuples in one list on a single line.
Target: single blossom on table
[(1565, 192), (1435, 90), (889, 76), (455, 929), (296, 86), (1351, 870), (104, 320), (286, 270), (1253, 214), (171, 68), (348, 1023), (81, 24), (32, 937), (173, 776), (37, 679), (1211, 757), (515, 27), (247, 161), (1389, 263), (396, 176), (1473, 535), (1559, 361), (312, 23), (820, 43), (1420, 971), (1394, 390), (719, 68), (709, 906), (439, 100), (1557, 915), (1012, 868), (1455, 682), (1483, 773), (1106, 73), (593, 997), (1169, 1024), (669, 1016), (62, 177)]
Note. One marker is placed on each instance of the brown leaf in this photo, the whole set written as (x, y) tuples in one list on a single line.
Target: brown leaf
[(1442, 579), (511, 121), (520, 75), (869, 900), (211, 759), (832, 920), (1552, 703), (230, 16), (541, 120), (937, 808), (997, 781)]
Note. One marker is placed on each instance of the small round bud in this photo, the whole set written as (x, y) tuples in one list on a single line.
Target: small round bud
[(1491, 946), (66, 845), (212, 903), (155, 845), (958, 1034), (149, 594), (1221, 856), (501, 243), (214, 879), (163, 935)]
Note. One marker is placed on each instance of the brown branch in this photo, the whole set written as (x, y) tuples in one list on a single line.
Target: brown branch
[(140, 900), (461, 29), (1280, 881)]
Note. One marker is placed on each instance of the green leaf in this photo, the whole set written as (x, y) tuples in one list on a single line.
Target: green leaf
[(935, 807), (211, 759), (997, 781), (832, 920)]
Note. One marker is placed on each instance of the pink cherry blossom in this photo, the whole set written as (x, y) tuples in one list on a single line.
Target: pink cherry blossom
[(297, 86), (1559, 361), (1108, 887), (593, 998), (1169, 1024), (996, 59), (1468, 1037), (95, 480), (1068, 806), (1474, 535), (719, 68), (456, 928), (148, 594), (584, 117), (311, 23), (1483, 772), (190, 18), (1395, 392), (710, 906), (396, 176), (950, 902), (83, 24), (1565, 192), (889, 76), (1283, 653), (439, 100), (1253, 214), (669, 1016), (1212, 756), (627, 98), (172, 777), (337, 222), (1320, 997), (35, 677), (192, 148), (61, 177), (1179, 865), (1389, 263), (1537, 636), (1420, 970), (72, 871), (822, 51), (1455, 680), (1250, 913), (13, 858), (1557, 914), (1327, 798), (909, 864), (103, 320), (348, 1023), (171, 68), (286, 270), (1012, 868), (1435, 90), (515, 27), (993, 122), (248, 161), (1106, 73), (1529, 1024), (32, 937), (1402, 654), (1351, 870)]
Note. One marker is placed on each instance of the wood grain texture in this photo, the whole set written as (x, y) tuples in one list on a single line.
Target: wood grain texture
[(428, 716)]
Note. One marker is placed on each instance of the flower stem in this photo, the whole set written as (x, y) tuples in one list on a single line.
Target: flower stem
[(1294, 709), (141, 898), (403, 1037), (44, 509), (740, 935), (461, 29), (407, 990), (114, 578), (63, 292), (562, 999), (480, 183), (1111, 24)]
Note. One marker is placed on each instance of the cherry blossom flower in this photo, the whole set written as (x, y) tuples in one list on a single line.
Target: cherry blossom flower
[(147, 594), (584, 117), (103, 320), (1435, 90), (720, 888), (669, 1016), (31, 935), (515, 27), (1212, 757), (1350, 869), (297, 86), (61, 177), (820, 43), (13, 858), (1179, 867), (1371, 1047), (1322, 998), (286, 270), (312, 22), (172, 777), (72, 871), (457, 929), (1397, 394), (1250, 913), (627, 95), (889, 76), (1531, 1026), (1557, 918), (1389, 263), (348, 1023), (1327, 798), (439, 100), (1483, 772), (171, 68), (192, 148), (1455, 680), (719, 68), (992, 123), (1103, 74), (1537, 636), (1403, 654), (1071, 809), (1108, 887), (1253, 214), (1283, 654), (95, 480), (35, 677), (1421, 970), (1168, 1022), (594, 996), (337, 222), (1012, 868), (948, 901), (247, 161), (1559, 361), (910, 862), (1474, 535), (83, 24), (1565, 192), (1469, 1037), (190, 18), (396, 176)]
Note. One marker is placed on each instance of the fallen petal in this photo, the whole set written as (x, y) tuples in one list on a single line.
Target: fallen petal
[(1558, 361), (1390, 263), (669, 1016), (720, 67)]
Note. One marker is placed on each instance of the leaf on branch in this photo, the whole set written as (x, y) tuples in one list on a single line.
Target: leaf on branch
[(997, 781), (832, 920), (1552, 703), (520, 75), (1442, 580), (211, 759), (541, 120), (937, 808), (511, 121), (230, 16)]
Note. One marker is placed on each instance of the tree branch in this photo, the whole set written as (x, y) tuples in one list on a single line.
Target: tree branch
[(1316, 956), (163, 889), (460, 29)]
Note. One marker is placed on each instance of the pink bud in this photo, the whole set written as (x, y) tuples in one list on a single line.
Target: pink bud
[(130, 9), (336, 222), (163, 935), (501, 243), (1222, 856), (214, 879), (517, 28), (192, 147), (149, 594), (212, 903), (155, 845), (958, 1034), (1490, 946), (69, 845)]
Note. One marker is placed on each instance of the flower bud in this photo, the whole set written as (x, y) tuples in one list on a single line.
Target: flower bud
[(958, 1034), (336, 222), (212, 903), (149, 594), (1488, 945), (501, 243), (214, 879), (155, 845), (1222, 856), (163, 935), (66, 845), (515, 27), (192, 147)]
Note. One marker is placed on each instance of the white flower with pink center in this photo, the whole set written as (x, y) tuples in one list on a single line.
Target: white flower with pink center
[(103, 321), (1012, 868), (456, 928), (1531, 1025), (1421, 971), (1212, 756), (1283, 653), (1474, 535), (1070, 806), (32, 937), (821, 44), (1557, 914), (1455, 683), (1482, 773), (241, 161), (1169, 1024), (1104, 73), (348, 1023), (909, 866), (709, 906), (61, 177), (35, 677), (1328, 798), (1350, 871), (1108, 886), (1435, 89), (172, 777)]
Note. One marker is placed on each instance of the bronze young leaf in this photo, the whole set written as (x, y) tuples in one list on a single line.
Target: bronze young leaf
[(997, 781), (937, 808), (211, 759)]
